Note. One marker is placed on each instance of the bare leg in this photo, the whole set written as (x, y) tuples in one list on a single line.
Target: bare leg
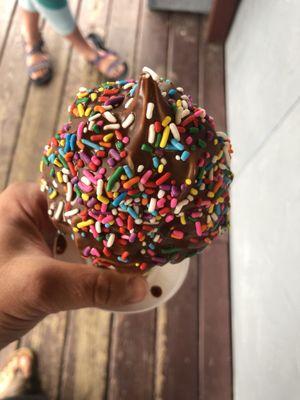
[(31, 34), (90, 53)]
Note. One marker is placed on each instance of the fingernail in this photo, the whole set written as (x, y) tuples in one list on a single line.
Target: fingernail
[(137, 289)]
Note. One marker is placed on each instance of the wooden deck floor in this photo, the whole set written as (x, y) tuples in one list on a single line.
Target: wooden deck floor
[(182, 350)]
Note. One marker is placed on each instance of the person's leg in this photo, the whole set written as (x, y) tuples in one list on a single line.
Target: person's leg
[(62, 21), (31, 36)]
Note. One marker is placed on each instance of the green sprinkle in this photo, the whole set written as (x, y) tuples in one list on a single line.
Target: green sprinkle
[(57, 136), (114, 178), (45, 160), (171, 250), (77, 190), (96, 128), (146, 147), (83, 100), (52, 172), (158, 139), (201, 173), (201, 143), (193, 129), (119, 145), (63, 161), (193, 147)]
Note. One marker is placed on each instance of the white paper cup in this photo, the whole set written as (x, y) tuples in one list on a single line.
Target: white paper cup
[(165, 281)]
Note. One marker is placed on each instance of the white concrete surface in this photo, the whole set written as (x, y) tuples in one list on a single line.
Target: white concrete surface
[(263, 102)]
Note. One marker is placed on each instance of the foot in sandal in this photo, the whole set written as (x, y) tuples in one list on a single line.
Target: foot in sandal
[(17, 377), (38, 63)]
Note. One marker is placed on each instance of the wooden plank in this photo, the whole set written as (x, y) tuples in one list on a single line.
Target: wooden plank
[(176, 348), (215, 372), (132, 357), (220, 20), (7, 11), (131, 372), (40, 113), (87, 337)]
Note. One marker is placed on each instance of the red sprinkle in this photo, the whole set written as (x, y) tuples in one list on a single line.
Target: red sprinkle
[(163, 178)]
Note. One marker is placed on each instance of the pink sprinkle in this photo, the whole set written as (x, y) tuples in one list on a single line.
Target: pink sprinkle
[(132, 237), (95, 252), (195, 214), (103, 208), (169, 218), (173, 203), (96, 160), (114, 154), (189, 140), (80, 130), (146, 176), (198, 228), (125, 140), (161, 202), (201, 162), (107, 219), (99, 123), (177, 234), (90, 176), (102, 171), (92, 215), (151, 252), (85, 188), (200, 113), (93, 230), (119, 221)]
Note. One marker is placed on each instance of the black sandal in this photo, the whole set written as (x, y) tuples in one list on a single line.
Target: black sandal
[(98, 43), (45, 64)]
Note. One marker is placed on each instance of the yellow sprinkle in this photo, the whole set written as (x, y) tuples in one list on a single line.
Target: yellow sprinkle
[(62, 143), (108, 138), (166, 121), (216, 141), (182, 219), (211, 209), (41, 166), (123, 177), (59, 177), (75, 229), (57, 163), (221, 200), (178, 103), (49, 151), (188, 182), (85, 223), (52, 195), (165, 137), (80, 110), (194, 192), (115, 194), (87, 111), (103, 199), (160, 168), (80, 95), (211, 195), (85, 197), (137, 264), (93, 96)]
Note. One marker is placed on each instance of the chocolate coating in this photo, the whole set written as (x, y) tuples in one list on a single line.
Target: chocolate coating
[(190, 204)]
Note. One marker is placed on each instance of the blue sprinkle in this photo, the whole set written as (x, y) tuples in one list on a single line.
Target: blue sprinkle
[(170, 147), (132, 213), (122, 82), (145, 196), (128, 171), (185, 155), (83, 234), (155, 162), (151, 245), (72, 142), (168, 81), (107, 225), (61, 152), (133, 89), (172, 92), (121, 259), (218, 209), (178, 145), (52, 158), (67, 143), (118, 199), (91, 144)]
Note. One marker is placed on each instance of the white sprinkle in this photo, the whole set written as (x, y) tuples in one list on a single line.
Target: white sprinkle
[(127, 104), (180, 89), (141, 187), (111, 240), (184, 97), (65, 171), (54, 183), (174, 131), (99, 189), (156, 238), (111, 126), (69, 191), (138, 221), (52, 206), (190, 197), (164, 94), (214, 217), (85, 180), (95, 116), (98, 226), (153, 74), (107, 107), (185, 113), (82, 89), (128, 85), (140, 168), (161, 194), (178, 116), (163, 161), (50, 213), (71, 212), (58, 211), (65, 178), (184, 104), (110, 117), (222, 135), (211, 175), (91, 124), (151, 134), (143, 251), (226, 153), (85, 129), (114, 211), (128, 121), (177, 157), (152, 205), (128, 201), (137, 200), (179, 206), (149, 112)]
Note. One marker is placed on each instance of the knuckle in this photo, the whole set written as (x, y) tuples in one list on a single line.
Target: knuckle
[(102, 289), (42, 283)]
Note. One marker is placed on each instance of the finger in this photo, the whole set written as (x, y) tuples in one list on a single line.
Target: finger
[(68, 286)]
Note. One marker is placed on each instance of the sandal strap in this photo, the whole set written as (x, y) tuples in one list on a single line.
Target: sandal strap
[(37, 48), (113, 65), (99, 58), (38, 66)]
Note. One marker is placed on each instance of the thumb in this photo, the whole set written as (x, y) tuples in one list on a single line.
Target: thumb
[(69, 286)]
